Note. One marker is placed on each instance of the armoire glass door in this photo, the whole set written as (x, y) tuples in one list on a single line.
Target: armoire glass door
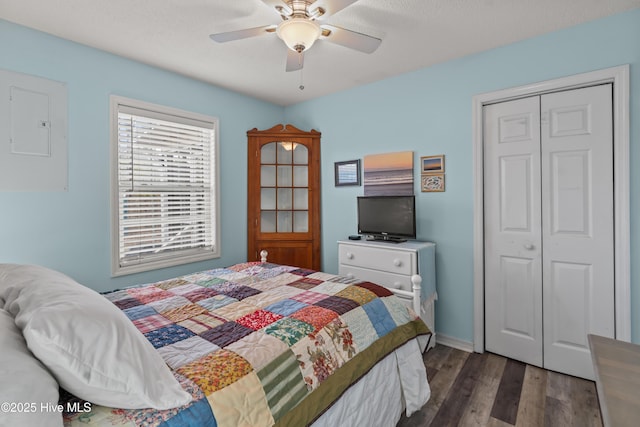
[(284, 188)]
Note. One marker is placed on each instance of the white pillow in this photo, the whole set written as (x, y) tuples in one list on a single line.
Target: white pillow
[(25, 385), (90, 346)]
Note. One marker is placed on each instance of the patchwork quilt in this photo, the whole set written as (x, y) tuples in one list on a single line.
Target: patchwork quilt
[(258, 344)]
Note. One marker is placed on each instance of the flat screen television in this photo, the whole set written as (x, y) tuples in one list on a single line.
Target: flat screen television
[(390, 218)]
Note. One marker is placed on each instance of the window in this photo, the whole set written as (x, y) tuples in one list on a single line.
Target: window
[(164, 186)]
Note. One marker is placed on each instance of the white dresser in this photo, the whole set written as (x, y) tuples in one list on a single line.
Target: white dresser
[(392, 265)]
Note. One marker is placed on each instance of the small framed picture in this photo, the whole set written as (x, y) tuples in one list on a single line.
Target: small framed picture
[(347, 173), (432, 182), (432, 164)]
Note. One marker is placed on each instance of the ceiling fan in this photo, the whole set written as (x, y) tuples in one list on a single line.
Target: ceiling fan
[(301, 27)]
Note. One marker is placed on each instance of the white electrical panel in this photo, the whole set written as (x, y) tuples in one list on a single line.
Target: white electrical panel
[(33, 133)]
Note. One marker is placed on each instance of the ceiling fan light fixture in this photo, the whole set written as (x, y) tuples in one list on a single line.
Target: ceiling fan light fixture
[(298, 33)]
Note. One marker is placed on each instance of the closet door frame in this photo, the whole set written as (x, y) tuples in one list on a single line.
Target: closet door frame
[(619, 77)]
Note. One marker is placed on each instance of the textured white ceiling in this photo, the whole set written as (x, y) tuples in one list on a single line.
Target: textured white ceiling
[(174, 34)]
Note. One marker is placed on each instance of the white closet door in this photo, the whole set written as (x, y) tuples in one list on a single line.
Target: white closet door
[(577, 225), (513, 279), (549, 261)]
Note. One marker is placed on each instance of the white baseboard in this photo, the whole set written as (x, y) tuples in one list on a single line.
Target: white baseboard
[(455, 343)]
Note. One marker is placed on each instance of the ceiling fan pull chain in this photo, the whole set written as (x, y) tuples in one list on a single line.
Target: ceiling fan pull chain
[(301, 87)]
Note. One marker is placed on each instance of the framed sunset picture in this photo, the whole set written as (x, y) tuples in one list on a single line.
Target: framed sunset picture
[(432, 164), (388, 174)]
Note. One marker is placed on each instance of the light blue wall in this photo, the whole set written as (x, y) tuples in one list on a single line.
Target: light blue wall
[(70, 231), (429, 112)]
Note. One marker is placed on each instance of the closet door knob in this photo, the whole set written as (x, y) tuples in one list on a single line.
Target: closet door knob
[(528, 246)]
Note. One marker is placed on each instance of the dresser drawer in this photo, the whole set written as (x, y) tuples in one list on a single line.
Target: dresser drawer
[(381, 259), (389, 280)]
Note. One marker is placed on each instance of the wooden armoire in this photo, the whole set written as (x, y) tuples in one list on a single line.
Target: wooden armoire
[(284, 196)]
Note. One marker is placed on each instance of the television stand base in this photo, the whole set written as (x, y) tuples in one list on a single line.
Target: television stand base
[(389, 239)]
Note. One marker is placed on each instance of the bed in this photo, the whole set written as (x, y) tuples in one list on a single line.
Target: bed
[(249, 345)]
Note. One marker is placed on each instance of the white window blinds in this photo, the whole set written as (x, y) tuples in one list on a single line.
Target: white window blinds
[(166, 187)]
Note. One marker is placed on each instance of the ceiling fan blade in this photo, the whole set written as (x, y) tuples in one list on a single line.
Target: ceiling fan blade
[(295, 60), (331, 6), (350, 39), (242, 34), (280, 6)]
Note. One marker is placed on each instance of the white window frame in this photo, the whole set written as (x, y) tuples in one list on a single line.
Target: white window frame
[(118, 268)]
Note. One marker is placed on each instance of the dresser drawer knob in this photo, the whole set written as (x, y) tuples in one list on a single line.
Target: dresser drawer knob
[(350, 276), (397, 262), (349, 255)]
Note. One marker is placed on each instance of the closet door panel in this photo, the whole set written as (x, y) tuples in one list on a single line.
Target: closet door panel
[(513, 291), (577, 218)]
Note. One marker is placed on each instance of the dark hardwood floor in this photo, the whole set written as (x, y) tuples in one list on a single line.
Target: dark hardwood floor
[(471, 389)]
